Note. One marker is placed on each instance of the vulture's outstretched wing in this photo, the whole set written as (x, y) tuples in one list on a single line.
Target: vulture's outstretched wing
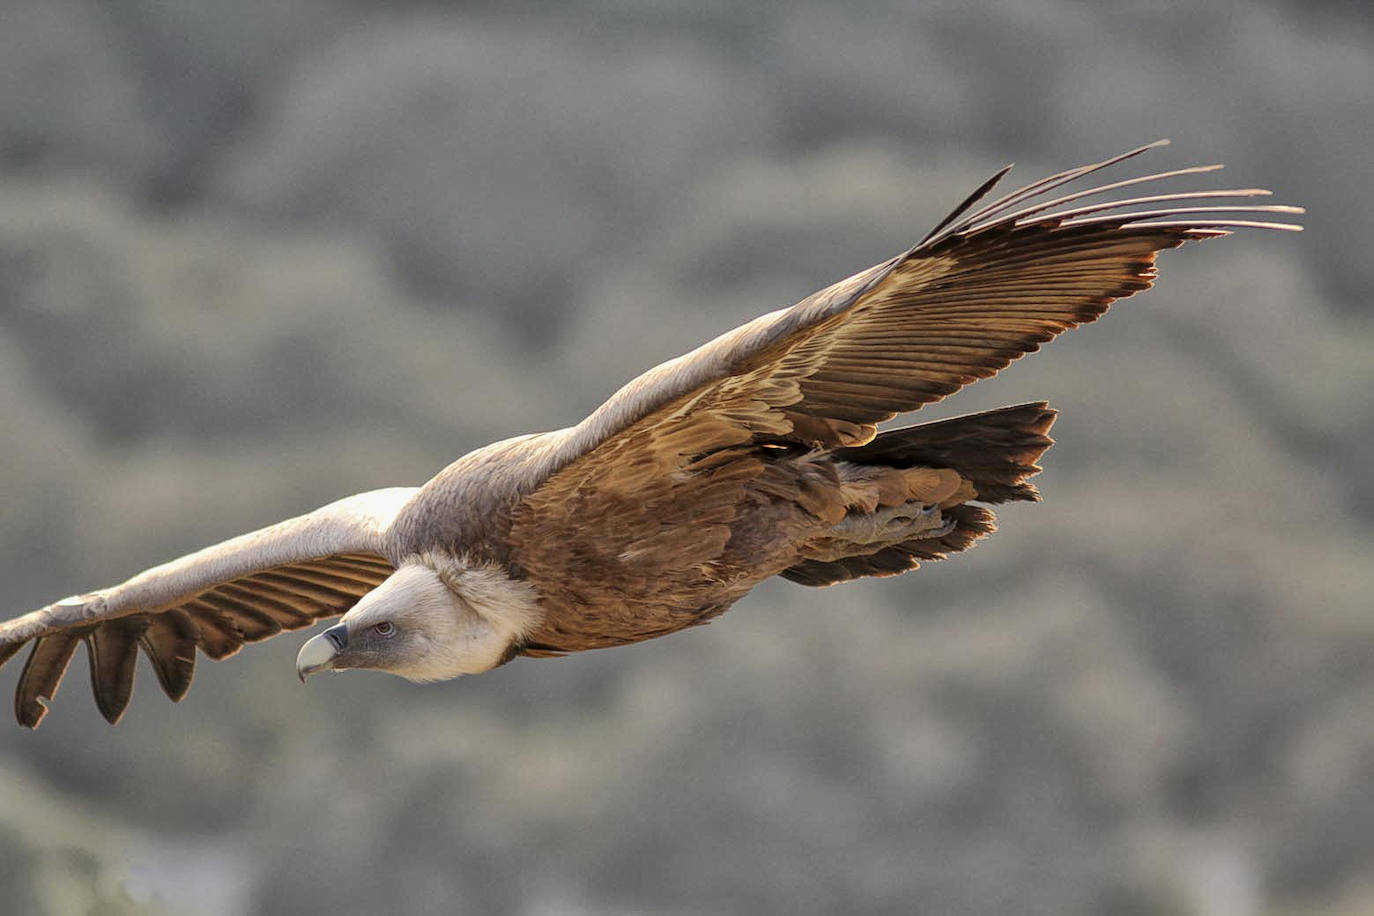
[(283, 577), (985, 287)]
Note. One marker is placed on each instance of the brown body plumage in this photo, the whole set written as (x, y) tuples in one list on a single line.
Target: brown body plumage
[(755, 455)]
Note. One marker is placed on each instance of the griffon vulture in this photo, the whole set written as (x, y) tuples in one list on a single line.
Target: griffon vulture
[(755, 455)]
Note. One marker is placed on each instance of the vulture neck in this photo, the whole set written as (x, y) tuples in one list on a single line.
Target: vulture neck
[(504, 609)]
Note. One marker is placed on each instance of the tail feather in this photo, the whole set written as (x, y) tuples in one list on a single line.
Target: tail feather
[(995, 450)]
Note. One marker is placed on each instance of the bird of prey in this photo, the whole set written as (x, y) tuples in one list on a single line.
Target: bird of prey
[(758, 454)]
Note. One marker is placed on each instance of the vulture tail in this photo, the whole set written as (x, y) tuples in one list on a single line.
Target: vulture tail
[(994, 451)]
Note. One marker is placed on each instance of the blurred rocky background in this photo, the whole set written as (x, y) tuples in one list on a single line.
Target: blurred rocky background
[(261, 254)]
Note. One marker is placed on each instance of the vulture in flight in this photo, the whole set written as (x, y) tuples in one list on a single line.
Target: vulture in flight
[(757, 454)]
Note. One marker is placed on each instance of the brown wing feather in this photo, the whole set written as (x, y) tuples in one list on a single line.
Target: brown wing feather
[(42, 673), (170, 641), (112, 650)]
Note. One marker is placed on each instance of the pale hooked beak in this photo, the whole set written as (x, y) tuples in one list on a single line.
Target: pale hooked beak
[(319, 652)]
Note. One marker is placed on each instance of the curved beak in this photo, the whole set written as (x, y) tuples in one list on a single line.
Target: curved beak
[(319, 652)]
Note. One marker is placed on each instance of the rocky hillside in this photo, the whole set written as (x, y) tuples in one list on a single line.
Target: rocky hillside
[(255, 256)]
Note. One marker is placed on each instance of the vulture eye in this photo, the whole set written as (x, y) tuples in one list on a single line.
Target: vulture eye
[(386, 629)]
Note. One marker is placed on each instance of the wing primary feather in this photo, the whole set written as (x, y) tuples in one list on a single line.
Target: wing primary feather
[(170, 644), (1131, 202), (42, 673), (112, 649), (1203, 224), (1140, 217), (1042, 186), (969, 201), (1097, 189)]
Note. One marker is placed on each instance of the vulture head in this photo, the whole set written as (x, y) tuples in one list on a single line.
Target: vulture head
[(413, 625)]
